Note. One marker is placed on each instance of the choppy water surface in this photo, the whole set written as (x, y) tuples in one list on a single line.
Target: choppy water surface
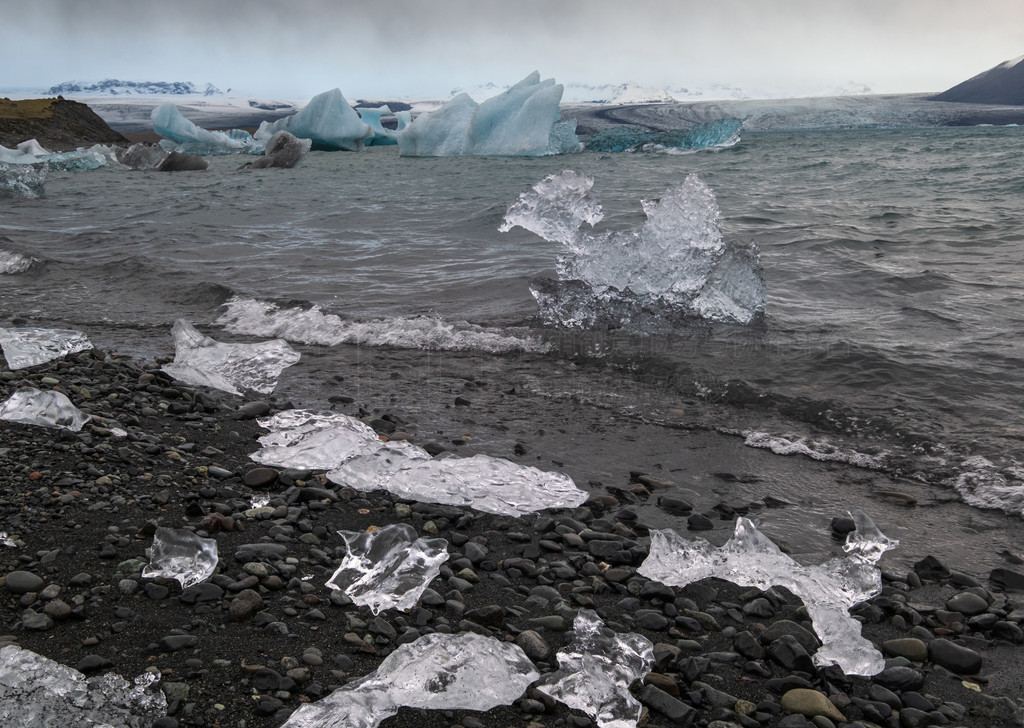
[(892, 258)]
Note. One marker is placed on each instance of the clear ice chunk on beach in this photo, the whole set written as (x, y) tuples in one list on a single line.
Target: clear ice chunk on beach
[(388, 568), (178, 553), (45, 408), (828, 590), (676, 265), (309, 440), (436, 672), (38, 692), (596, 669), (27, 347), (201, 361), (517, 123), (328, 121)]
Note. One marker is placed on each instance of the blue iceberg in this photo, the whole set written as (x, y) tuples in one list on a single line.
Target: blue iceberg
[(181, 135), (382, 137), (517, 123), (327, 120), (717, 134), (32, 152)]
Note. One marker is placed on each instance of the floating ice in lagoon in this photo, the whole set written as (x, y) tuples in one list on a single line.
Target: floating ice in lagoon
[(31, 153), (676, 265), (32, 406), (312, 440), (201, 361), (381, 137), (388, 568), (516, 123), (178, 553), (828, 590), (182, 135), (595, 672), (27, 347), (22, 180), (624, 138), (283, 150), (436, 672), (38, 692), (327, 120)]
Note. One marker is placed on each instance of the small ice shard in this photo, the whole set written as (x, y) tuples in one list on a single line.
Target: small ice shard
[(312, 440), (27, 347), (828, 590), (178, 553), (38, 692), (388, 568), (327, 120), (6, 540), (184, 136), (32, 406), (488, 484), (201, 361), (595, 672), (436, 672), (283, 150), (676, 265)]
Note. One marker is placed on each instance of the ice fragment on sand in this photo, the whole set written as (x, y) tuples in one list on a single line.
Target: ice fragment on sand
[(388, 568), (828, 590), (595, 672), (312, 440), (31, 406), (327, 120), (38, 692), (201, 361), (6, 540), (27, 347), (675, 265), (436, 672), (178, 553)]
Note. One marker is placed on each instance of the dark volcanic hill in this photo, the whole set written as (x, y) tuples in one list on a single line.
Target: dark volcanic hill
[(57, 124), (1003, 84)]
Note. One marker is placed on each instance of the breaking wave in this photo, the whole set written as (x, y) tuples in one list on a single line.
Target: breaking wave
[(819, 449), (312, 326), (12, 263)]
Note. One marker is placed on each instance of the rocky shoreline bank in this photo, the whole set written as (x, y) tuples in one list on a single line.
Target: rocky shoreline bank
[(263, 636)]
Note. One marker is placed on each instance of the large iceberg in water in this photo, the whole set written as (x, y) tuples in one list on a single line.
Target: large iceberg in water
[(381, 137), (675, 266), (327, 120), (751, 559), (517, 123), (181, 135)]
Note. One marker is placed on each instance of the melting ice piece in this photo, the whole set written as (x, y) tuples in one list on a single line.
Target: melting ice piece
[(31, 153), (389, 568), (27, 347), (201, 361), (595, 672), (38, 692), (516, 123), (178, 553), (313, 440), (381, 137), (828, 590), (32, 406), (487, 484), (13, 263), (676, 264), (184, 136), (327, 120), (436, 672), (22, 180)]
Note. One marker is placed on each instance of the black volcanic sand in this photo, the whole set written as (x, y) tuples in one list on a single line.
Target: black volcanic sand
[(264, 635)]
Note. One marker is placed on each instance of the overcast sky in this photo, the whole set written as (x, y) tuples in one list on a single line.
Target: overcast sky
[(292, 49)]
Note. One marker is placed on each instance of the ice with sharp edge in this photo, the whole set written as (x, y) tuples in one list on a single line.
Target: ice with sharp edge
[(677, 263), (382, 137), (327, 120), (45, 408), (27, 347), (41, 693), (388, 568), (201, 361), (32, 153), (828, 590), (436, 672), (178, 553), (596, 669), (312, 440), (182, 135)]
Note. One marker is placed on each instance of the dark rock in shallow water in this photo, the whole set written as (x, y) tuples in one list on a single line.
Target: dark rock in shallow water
[(954, 657), (178, 162), (1007, 580)]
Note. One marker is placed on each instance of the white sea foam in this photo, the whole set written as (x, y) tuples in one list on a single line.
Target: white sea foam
[(985, 484), (815, 449), (252, 317)]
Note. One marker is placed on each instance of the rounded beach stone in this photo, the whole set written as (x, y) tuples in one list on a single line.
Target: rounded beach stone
[(245, 605), (23, 582), (260, 477), (535, 646), (909, 647), (954, 657), (967, 603), (810, 703)]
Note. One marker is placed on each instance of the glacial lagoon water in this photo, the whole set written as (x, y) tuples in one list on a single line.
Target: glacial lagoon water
[(891, 337)]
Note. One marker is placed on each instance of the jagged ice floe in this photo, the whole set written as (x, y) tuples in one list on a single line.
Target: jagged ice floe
[(44, 408), (327, 120), (32, 153), (181, 135), (38, 692), (718, 134), (436, 672), (381, 137), (828, 590), (676, 266), (312, 440), (27, 347), (388, 568), (596, 669), (178, 553), (201, 361)]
